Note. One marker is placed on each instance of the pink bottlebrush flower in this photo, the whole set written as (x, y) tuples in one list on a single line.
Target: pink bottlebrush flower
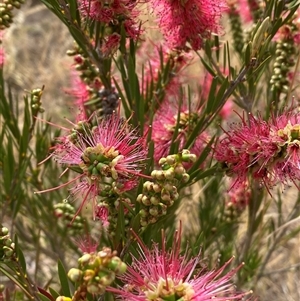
[(113, 12), (87, 244), (269, 151), (166, 275), (152, 68), (80, 91), (102, 213), (189, 21), (226, 110), (163, 128), (290, 32), (111, 44), (109, 158), (239, 197), (245, 9)]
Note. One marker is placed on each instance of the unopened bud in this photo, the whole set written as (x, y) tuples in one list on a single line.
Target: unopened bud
[(74, 274)]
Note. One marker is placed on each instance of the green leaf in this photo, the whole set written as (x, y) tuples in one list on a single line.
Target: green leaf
[(44, 298), (63, 279), (20, 255), (196, 175), (17, 282), (54, 293)]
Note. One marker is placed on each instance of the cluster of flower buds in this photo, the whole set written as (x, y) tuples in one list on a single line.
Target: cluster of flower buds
[(80, 128), (100, 98), (36, 103), (237, 200), (95, 272), (285, 60), (161, 193), (114, 213), (66, 212), (236, 27), (6, 15), (88, 71), (7, 246)]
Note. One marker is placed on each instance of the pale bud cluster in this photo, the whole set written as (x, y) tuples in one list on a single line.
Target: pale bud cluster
[(103, 99), (114, 208), (6, 15), (80, 128), (66, 213), (88, 71), (95, 272), (161, 193), (36, 103), (7, 246)]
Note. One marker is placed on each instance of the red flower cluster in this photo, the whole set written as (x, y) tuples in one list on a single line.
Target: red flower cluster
[(269, 151)]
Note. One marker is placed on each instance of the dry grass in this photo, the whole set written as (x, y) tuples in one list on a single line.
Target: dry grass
[(35, 46)]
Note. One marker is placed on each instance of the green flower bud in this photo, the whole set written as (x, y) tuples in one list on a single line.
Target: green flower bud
[(95, 289), (3, 231), (84, 259), (154, 211), (162, 161), (179, 169), (143, 213), (171, 160), (117, 265), (185, 178), (139, 197), (165, 195), (74, 274), (156, 188), (170, 174), (160, 175), (88, 275), (8, 252), (154, 200), (146, 201), (153, 173)]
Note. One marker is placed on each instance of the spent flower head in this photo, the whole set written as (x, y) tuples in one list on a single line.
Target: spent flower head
[(160, 274)]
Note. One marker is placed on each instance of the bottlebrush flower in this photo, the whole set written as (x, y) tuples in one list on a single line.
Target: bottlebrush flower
[(167, 275), (154, 58), (268, 151), (109, 158), (164, 125), (86, 244), (191, 21), (111, 44), (239, 198), (113, 12), (80, 91)]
